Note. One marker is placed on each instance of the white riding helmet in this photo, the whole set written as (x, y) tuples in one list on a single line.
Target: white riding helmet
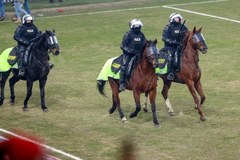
[(135, 23), (173, 16), (27, 17)]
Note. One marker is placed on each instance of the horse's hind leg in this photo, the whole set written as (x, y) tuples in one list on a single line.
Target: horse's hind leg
[(3, 78), (191, 88), (198, 87), (113, 108), (116, 100), (12, 82), (166, 87)]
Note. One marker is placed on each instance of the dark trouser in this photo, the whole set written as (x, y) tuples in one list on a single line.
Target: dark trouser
[(177, 59), (21, 51), (126, 59)]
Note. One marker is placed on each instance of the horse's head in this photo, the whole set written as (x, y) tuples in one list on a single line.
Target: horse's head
[(198, 40), (152, 52), (52, 42)]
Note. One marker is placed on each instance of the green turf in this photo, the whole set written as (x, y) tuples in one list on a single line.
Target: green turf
[(78, 120)]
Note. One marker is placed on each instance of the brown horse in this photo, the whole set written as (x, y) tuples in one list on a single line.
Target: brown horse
[(190, 73), (143, 80)]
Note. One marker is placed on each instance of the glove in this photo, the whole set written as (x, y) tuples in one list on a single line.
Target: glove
[(175, 43)]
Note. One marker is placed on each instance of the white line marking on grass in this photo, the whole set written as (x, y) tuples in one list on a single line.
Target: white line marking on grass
[(43, 145), (151, 7), (199, 13), (184, 4)]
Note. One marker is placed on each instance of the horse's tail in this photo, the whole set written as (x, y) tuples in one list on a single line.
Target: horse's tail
[(100, 86)]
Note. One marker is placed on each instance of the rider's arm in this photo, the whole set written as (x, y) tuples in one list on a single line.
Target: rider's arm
[(18, 38), (124, 45), (166, 37)]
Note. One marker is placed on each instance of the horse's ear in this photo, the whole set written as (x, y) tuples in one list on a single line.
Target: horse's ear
[(155, 41), (200, 29), (46, 31), (194, 29), (53, 31)]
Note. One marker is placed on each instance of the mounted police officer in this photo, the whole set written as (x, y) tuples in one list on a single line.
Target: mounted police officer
[(132, 44), (25, 32), (173, 34)]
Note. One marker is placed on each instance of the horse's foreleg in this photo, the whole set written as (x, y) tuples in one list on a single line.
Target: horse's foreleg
[(191, 88), (42, 84), (145, 107), (136, 96), (152, 98), (166, 87), (29, 94), (12, 82), (198, 87)]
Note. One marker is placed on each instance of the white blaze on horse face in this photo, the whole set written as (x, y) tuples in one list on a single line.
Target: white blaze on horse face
[(51, 40), (55, 39)]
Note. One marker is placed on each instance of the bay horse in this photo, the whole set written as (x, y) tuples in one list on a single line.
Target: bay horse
[(190, 73), (143, 80), (38, 69)]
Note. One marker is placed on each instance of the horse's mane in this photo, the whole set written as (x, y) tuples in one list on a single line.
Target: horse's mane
[(185, 39)]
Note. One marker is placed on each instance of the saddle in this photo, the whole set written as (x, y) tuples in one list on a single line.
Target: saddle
[(116, 65)]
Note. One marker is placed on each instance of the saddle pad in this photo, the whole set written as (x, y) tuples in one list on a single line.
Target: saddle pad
[(162, 66), (4, 65)]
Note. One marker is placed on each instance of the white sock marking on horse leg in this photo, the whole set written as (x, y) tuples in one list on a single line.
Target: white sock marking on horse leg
[(169, 106)]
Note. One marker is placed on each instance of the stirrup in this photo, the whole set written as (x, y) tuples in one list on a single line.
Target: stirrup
[(170, 76), (122, 87), (21, 73)]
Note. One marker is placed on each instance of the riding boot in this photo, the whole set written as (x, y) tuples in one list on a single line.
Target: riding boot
[(170, 75), (177, 59), (21, 66), (122, 86), (21, 69)]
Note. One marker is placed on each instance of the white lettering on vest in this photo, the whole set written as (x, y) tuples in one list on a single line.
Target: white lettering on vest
[(137, 39)]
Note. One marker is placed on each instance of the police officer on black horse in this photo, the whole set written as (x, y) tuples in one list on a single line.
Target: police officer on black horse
[(132, 44), (25, 32), (173, 34)]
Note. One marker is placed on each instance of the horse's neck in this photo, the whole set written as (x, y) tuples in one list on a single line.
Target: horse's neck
[(40, 50), (190, 54), (145, 67), (40, 46)]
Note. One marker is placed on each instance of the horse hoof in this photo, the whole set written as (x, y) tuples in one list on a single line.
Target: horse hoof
[(124, 120), (110, 111), (171, 113), (145, 110), (132, 115), (12, 103), (25, 109), (45, 110), (157, 125), (203, 118)]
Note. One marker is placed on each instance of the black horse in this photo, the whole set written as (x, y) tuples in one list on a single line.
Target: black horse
[(38, 69)]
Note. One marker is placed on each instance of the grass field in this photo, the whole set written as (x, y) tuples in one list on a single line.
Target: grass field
[(78, 121)]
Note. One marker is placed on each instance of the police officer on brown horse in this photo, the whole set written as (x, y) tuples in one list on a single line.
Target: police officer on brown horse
[(132, 44), (173, 34), (25, 32)]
